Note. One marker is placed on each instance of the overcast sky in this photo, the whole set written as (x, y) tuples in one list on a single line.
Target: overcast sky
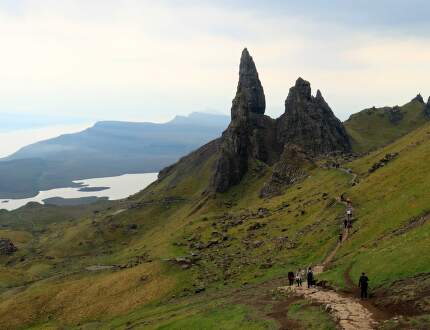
[(87, 60)]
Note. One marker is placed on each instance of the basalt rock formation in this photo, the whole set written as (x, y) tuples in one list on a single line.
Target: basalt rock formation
[(307, 129), (309, 122), (427, 108), (250, 134), (418, 99)]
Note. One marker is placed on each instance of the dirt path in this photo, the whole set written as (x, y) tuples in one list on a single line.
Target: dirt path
[(349, 312), (318, 269)]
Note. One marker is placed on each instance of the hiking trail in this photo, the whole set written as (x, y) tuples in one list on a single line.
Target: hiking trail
[(348, 311)]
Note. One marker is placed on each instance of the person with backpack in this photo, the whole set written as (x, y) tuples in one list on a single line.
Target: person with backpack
[(363, 284), (291, 278), (310, 277)]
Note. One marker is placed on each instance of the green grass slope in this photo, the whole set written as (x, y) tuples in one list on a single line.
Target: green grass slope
[(376, 127), (186, 260)]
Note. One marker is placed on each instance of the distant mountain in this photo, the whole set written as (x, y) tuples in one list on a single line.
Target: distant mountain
[(108, 148)]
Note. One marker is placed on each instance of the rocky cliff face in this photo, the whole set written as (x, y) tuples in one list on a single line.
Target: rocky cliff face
[(309, 122), (418, 99), (427, 108), (250, 133), (307, 129)]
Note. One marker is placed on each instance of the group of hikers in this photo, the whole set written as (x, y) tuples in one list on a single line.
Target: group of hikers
[(307, 274), (300, 275), (363, 282)]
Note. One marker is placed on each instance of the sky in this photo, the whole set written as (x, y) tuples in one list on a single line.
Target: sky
[(74, 62)]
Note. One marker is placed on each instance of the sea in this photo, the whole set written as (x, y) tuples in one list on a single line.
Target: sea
[(116, 187)]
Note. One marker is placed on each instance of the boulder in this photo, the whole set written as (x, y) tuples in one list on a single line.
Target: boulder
[(7, 247), (384, 161)]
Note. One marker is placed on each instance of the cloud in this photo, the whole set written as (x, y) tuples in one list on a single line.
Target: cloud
[(146, 60)]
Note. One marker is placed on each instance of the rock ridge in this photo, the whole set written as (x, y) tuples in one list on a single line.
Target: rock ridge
[(308, 128)]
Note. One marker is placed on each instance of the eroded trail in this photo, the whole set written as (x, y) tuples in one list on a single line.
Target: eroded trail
[(349, 313)]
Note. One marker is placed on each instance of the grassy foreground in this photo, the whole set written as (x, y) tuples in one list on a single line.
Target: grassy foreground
[(183, 260)]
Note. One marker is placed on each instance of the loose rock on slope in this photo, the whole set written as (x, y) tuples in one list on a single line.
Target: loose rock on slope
[(7, 247)]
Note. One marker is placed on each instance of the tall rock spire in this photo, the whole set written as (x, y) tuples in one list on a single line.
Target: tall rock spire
[(250, 131), (250, 94)]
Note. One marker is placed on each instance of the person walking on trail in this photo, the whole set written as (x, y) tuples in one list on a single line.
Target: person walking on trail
[(340, 238), (345, 223), (363, 284), (299, 278), (310, 277), (291, 278), (349, 217)]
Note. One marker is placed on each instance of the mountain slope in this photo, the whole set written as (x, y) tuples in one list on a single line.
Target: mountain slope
[(106, 149), (185, 256), (376, 127)]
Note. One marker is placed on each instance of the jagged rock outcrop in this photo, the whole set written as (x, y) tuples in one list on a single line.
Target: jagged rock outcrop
[(250, 133), (309, 122), (395, 114), (427, 108), (418, 98), (291, 168), (307, 129), (289, 145), (7, 247)]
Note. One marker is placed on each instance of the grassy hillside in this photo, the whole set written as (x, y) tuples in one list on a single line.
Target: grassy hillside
[(187, 261), (376, 127)]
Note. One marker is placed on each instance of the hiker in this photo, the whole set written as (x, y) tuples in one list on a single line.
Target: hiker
[(340, 238), (349, 213), (291, 278), (299, 278), (310, 277), (363, 285), (345, 223), (349, 217)]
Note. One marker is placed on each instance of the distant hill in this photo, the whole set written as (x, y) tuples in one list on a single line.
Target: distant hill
[(108, 148), (373, 128)]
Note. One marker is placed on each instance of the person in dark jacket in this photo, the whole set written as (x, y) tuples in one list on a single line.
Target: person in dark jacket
[(291, 278), (363, 283), (310, 277)]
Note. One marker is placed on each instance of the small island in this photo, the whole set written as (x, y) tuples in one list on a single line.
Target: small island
[(92, 189), (59, 201)]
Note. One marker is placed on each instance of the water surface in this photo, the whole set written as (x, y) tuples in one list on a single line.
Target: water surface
[(119, 187)]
